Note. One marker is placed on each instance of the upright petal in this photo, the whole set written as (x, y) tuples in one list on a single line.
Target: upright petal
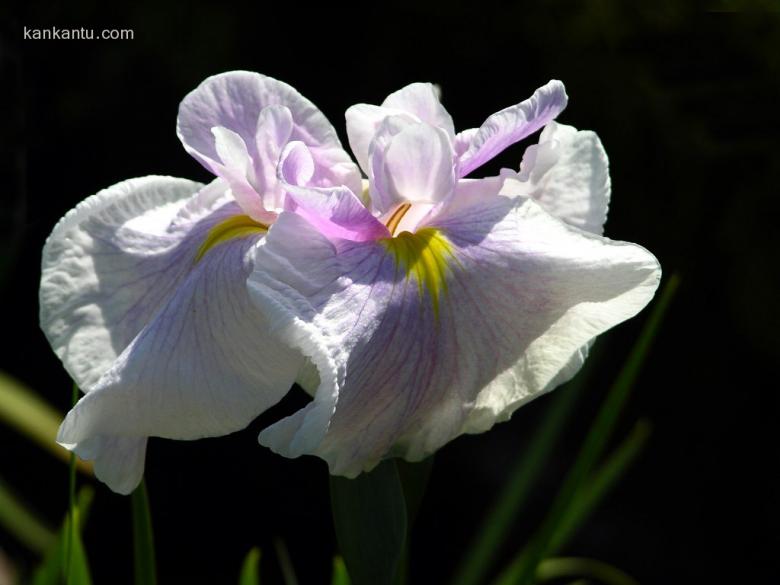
[(410, 163), (234, 100), (568, 174), (237, 100), (422, 100), (238, 169), (363, 122), (417, 102), (425, 336), (511, 125)]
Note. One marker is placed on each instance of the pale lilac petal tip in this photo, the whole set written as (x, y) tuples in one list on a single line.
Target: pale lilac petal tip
[(511, 125)]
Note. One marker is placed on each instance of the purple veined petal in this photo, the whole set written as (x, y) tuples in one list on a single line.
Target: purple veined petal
[(422, 100), (510, 125), (520, 293), (185, 377), (336, 211), (410, 163), (567, 173), (97, 293), (112, 261), (120, 281)]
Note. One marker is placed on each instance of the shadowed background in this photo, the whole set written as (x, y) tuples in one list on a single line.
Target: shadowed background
[(686, 103)]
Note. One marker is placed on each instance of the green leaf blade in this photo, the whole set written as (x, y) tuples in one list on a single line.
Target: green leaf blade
[(370, 519), (143, 538), (52, 570), (340, 575), (250, 569)]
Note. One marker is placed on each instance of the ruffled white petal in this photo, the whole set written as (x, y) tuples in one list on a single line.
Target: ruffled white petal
[(118, 461), (567, 173), (203, 366), (165, 342), (107, 267), (524, 293)]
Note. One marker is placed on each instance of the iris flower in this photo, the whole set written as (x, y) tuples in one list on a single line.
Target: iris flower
[(422, 307), (440, 304), (143, 292)]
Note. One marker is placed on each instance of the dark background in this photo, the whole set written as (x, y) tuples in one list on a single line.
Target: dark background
[(685, 100)]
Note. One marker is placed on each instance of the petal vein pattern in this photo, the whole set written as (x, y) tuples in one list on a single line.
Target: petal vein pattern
[(143, 296), (404, 376)]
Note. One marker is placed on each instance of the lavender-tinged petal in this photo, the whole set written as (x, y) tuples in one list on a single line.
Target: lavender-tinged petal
[(237, 168), (463, 141), (274, 129), (512, 124), (336, 211), (234, 100), (524, 293), (334, 167)]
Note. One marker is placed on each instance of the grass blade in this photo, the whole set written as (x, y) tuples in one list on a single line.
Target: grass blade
[(77, 566), (600, 484), (340, 575), (23, 524), (285, 563), (73, 531), (250, 569), (23, 410), (143, 538), (522, 569), (562, 568), (52, 570)]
